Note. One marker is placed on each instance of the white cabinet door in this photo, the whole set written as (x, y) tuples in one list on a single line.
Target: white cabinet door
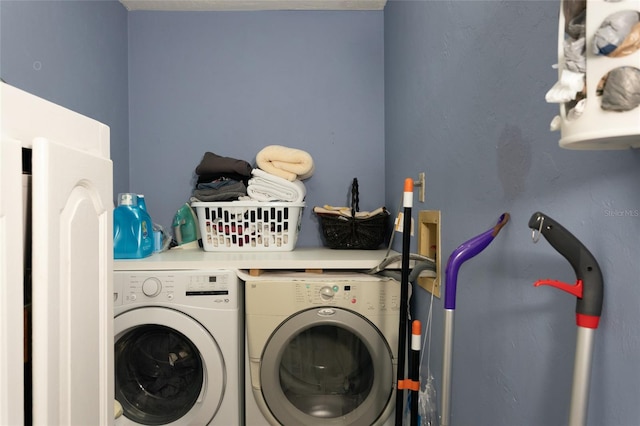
[(11, 284), (72, 293)]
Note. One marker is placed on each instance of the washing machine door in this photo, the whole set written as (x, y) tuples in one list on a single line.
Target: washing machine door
[(327, 366), (168, 368)]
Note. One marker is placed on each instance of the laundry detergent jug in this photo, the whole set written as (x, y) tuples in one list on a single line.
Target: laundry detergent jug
[(132, 228)]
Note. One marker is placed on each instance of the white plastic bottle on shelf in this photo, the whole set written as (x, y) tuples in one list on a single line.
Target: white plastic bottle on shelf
[(590, 126)]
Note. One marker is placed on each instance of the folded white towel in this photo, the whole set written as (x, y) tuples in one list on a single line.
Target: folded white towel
[(288, 163), (265, 186)]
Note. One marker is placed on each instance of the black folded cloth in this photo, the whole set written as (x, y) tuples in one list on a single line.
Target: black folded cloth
[(213, 164)]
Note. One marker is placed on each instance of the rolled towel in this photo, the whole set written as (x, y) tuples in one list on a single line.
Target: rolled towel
[(288, 163), (265, 186)]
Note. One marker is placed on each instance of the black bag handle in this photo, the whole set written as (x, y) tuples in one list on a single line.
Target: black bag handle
[(355, 198)]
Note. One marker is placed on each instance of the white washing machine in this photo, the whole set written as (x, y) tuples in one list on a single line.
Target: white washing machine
[(321, 349), (179, 347)]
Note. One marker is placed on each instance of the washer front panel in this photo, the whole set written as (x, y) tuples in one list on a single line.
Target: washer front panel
[(167, 373)]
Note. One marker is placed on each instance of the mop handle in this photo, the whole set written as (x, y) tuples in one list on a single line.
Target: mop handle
[(589, 288), (464, 252)]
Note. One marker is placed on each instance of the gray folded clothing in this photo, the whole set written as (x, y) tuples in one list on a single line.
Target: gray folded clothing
[(228, 192)]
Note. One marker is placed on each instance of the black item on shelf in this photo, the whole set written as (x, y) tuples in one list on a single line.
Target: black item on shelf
[(362, 233)]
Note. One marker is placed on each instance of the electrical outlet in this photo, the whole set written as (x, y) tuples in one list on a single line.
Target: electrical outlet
[(429, 246)]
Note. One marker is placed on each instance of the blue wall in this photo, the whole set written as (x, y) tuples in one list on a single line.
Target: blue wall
[(235, 82), (464, 102), (73, 53)]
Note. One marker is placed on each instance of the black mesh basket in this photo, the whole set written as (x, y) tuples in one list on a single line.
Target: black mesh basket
[(342, 232)]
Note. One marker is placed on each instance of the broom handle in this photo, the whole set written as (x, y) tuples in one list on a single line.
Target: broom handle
[(403, 330)]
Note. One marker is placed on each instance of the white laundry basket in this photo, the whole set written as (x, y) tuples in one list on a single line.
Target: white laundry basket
[(596, 128), (248, 225)]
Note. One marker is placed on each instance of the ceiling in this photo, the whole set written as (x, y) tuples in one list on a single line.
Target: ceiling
[(224, 5)]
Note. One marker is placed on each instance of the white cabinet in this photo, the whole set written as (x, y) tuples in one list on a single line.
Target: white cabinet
[(71, 257), (11, 294)]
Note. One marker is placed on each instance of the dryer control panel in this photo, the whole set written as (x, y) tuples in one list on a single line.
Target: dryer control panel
[(286, 293), (375, 296), (208, 289)]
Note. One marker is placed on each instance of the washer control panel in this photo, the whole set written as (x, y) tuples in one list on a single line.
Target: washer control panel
[(209, 289)]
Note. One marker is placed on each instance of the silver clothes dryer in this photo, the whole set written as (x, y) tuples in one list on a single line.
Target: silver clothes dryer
[(321, 348)]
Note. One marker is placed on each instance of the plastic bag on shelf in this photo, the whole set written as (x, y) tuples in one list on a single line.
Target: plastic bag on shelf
[(574, 55), (621, 89), (576, 25), (629, 45), (565, 90), (613, 30), (577, 110), (572, 77)]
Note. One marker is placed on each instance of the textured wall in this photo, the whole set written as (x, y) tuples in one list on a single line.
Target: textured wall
[(234, 82), (73, 53), (464, 86), (464, 102)]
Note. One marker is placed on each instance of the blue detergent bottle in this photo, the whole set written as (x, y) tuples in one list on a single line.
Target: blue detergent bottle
[(132, 228)]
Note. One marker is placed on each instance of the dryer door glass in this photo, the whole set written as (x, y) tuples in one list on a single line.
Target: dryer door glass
[(326, 371), (327, 366), (159, 374)]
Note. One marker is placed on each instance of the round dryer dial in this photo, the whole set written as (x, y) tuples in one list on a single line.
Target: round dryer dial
[(151, 287), (326, 293)]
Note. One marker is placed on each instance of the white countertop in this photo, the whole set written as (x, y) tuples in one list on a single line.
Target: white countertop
[(300, 258)]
